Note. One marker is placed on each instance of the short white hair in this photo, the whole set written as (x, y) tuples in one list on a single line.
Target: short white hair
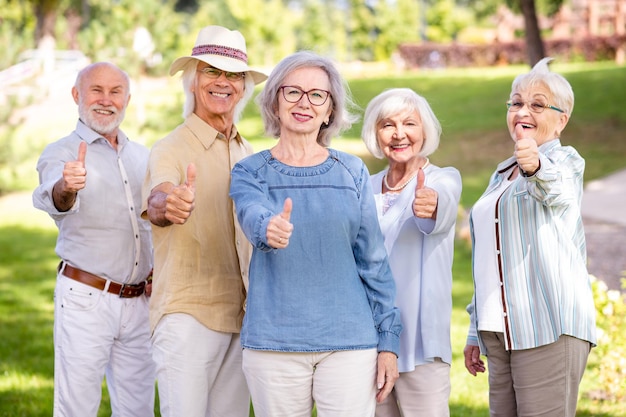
[(540, 74), (397, 101)]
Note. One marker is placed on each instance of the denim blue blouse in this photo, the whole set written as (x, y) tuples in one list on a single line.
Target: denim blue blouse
[(331, 288)]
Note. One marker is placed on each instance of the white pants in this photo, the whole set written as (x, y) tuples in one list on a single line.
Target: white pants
[(286, 384), (198, 370), (98, 333), (424, 392)]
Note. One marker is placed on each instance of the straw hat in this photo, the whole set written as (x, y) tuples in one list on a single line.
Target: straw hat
[(221, 48)]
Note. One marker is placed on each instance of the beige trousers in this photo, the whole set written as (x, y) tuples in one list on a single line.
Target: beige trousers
[(424, 392), (287, 384), (538, 382)]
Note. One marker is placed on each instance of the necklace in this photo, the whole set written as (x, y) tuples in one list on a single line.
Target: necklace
[(404, 184)]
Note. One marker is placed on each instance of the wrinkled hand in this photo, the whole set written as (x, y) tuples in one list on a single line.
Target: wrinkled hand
[(425, 202), (180, 202), (387, 374), (279, 228), (74, 172), (473, 363), (526, 151)]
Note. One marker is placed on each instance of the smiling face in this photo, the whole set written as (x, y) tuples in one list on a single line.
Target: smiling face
[(102, 94), (303, 118), (216, 98), (544, 126), (401, 137)]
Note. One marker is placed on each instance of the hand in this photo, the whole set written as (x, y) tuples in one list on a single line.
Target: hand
[(526, 151), (387, 374), (148, 287), (279, 228), (425, 202), (473, 363), (180, 202), (74, 172)]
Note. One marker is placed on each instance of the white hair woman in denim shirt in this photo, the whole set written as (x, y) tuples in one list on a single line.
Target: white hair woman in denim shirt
[(321, 326), (532, 313)]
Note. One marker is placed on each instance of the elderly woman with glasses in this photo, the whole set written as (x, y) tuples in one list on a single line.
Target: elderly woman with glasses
[(321, 326), (532, 313), (417, 206)]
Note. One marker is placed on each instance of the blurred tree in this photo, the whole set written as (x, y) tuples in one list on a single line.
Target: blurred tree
[(532, 34), (361, 30), (313, 24), (396, 22), (529, 9), (445, 20), (46, 14), (110, 29)]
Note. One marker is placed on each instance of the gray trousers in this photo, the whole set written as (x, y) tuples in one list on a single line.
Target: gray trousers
[(537, 382)]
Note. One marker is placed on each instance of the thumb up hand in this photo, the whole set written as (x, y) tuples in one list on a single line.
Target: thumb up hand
[(279, 228), (526, 151), (425, 201), (181, 201), (74, 172)]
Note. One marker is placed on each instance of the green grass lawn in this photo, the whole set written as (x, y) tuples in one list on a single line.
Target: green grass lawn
[(470, 106)]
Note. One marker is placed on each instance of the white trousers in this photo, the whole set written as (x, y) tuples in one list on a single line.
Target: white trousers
[(286, 384), (98, 333), (198, 370), (424, 392)]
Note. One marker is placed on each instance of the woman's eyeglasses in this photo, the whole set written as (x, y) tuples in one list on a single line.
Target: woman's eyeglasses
[(294, 94), (534, 106)]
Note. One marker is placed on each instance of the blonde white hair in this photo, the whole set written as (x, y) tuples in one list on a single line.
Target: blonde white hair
[(559, 87), (396, 101)]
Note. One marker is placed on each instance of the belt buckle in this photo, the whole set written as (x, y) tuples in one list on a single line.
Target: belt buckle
[(121, 293)]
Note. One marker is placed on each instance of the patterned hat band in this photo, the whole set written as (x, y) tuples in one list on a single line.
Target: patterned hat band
[(220, 50)]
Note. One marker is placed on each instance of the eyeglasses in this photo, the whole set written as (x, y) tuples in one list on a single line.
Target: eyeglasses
[(534, 106), (215, 73), (294, 94)]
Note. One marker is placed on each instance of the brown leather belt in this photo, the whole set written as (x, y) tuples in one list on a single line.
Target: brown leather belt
[(123, 290)]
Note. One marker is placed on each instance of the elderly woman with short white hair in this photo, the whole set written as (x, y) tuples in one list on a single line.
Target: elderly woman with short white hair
[(417, 204)]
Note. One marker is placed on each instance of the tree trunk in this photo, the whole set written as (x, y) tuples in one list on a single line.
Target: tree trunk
[(534, 44), (46, 19)]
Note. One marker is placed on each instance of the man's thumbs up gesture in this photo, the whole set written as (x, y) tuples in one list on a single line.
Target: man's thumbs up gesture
[(180, 202), (425, 202), (71, 182), (74, 172)]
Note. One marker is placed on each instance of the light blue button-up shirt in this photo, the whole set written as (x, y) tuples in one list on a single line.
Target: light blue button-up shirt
[(546, 291), (103, 232), (331, 288)]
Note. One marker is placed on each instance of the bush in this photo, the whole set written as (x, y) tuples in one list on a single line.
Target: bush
[(429, 55), (608, 359)]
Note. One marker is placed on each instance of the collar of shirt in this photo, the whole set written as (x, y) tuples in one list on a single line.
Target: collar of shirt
[(197, 126)]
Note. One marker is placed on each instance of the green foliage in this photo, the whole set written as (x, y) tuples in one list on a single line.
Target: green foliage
[(361, 30), (109, 33), (403, 16), (320, 27), (608, 359), (446, 20)]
